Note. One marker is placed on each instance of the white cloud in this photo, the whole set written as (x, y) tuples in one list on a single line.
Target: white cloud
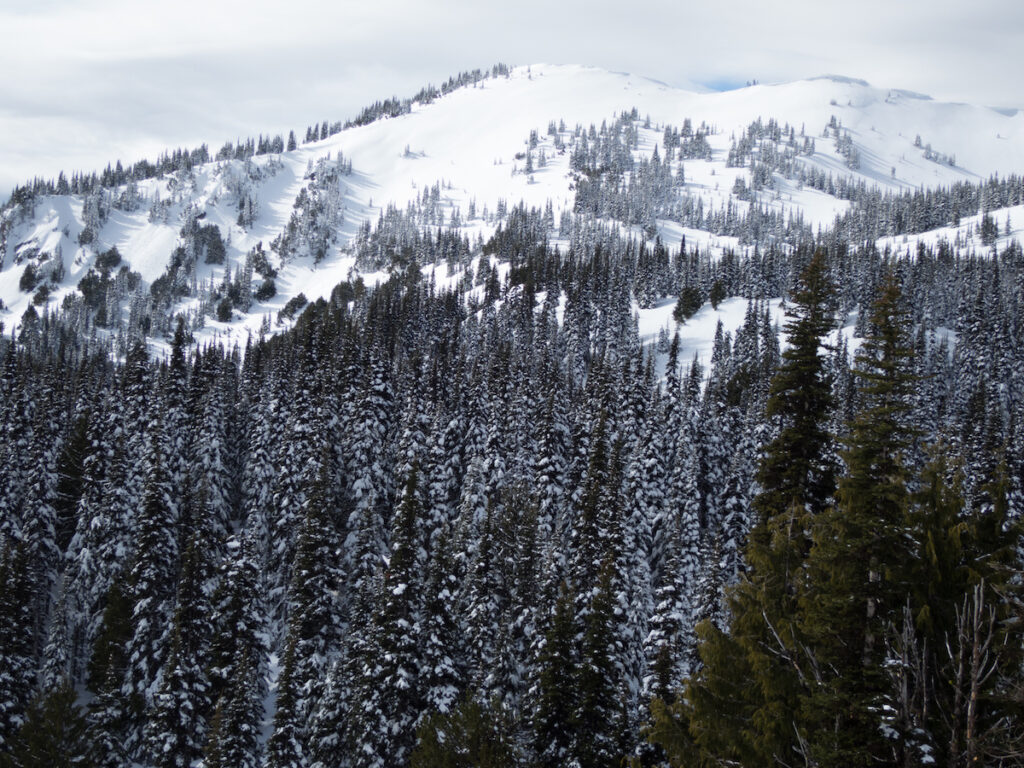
[(98, 80)]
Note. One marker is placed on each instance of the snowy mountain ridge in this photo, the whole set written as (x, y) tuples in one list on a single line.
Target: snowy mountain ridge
[(261, 229), (610, 383)]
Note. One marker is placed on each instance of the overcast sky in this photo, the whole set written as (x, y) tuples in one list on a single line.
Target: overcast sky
[(91, 81)]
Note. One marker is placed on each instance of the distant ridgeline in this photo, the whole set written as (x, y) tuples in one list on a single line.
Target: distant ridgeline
[(186, 159), (610, 185)]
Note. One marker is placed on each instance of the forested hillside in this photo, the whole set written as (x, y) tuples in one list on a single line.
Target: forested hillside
[(495, 506), (420, 518)]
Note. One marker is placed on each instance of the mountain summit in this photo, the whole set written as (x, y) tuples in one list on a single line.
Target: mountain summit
[(261, 222)]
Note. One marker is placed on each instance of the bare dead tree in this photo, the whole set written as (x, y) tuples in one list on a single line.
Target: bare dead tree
[(973, 662), (911, 691)]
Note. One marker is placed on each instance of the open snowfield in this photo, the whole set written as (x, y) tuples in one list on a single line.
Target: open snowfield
[(467, 142)]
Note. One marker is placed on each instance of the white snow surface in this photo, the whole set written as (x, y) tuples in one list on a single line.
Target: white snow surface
[(467, 141)]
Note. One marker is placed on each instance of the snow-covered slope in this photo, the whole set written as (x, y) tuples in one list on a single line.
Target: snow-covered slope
[(471, 148)]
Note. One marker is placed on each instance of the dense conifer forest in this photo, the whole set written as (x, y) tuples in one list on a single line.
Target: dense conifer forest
[(470, 534), (484, 522)]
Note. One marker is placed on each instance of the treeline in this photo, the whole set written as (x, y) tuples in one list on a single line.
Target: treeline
[(394, 106)]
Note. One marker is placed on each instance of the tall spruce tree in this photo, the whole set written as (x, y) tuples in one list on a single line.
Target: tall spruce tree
[(239, 631), (96, 554), (599, 719), (312, 623), (178, 716), (389, 691), (742, 705), (108, 716), (17, 658), (556, 694), (152, 584), (859, 563)]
